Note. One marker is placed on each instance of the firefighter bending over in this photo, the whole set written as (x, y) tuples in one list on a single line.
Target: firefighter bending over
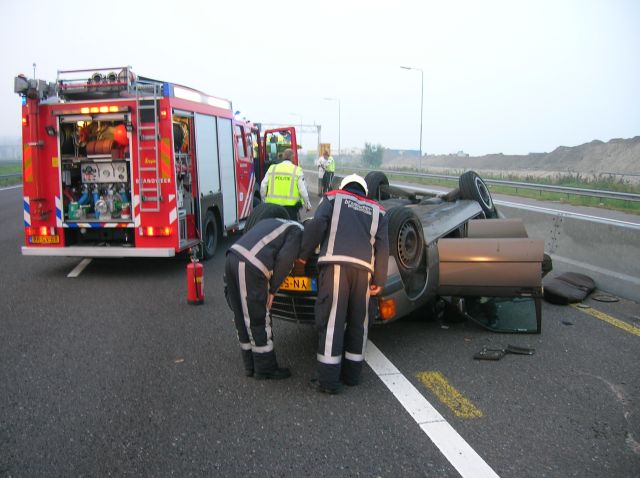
[(354, 253), (256, 266), (284, 184)]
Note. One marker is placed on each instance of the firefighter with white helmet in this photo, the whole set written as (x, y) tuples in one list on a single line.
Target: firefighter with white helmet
[(354, 253)]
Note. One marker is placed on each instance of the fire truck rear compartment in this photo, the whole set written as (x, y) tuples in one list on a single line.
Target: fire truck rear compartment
[(96, 181)]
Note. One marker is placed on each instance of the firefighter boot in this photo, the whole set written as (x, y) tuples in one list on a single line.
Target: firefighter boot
[(266, 367), (247, 359), (351, 372)]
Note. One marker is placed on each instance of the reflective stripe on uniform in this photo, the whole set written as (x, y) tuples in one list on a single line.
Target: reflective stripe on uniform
[(245, 313), (331, 323), (329, 360), (329, 255), (252, 259), (251, 255), (334, 227), (354, 357)]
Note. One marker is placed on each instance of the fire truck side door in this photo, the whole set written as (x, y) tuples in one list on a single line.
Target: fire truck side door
[(275, 141), (244, 169), (227, 172)]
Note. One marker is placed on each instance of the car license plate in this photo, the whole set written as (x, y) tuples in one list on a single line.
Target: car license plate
[(44, 239), (299, 284)]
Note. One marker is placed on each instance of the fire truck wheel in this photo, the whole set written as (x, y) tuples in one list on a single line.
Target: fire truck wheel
[(374, 180), (265, 211), (406, 238), (211, 235), (474, 188)]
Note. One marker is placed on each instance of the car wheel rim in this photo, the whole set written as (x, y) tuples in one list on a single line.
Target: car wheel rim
[(484, 193), (408, 245)]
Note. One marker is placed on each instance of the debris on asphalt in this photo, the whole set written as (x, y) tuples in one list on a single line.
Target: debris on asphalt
[(496, 354), (605, 298)]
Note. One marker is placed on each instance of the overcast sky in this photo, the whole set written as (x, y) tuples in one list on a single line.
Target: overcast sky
[(499, 76)]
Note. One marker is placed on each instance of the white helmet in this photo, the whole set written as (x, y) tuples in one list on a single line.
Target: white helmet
[(354, 178)]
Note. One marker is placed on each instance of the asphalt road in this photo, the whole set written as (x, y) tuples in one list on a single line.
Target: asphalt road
[(113, 374)]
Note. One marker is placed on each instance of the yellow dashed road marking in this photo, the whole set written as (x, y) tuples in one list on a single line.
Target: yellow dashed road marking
[(632, 329), (448, 395)]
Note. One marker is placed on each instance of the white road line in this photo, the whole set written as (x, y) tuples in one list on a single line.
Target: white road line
[(455, 449), (77, 270), (10, 187)]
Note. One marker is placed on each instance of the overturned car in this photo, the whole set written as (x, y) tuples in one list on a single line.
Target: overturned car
[(453, 247)]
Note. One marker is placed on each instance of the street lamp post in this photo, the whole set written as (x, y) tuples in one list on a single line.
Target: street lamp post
[(421, 106), (338, 100)]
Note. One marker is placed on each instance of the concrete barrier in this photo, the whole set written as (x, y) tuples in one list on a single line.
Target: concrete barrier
[(606, 250)]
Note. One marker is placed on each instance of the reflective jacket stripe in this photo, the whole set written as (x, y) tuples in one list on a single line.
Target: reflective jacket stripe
[(251, 255), (334, 227), (335, 219), (252, 259)]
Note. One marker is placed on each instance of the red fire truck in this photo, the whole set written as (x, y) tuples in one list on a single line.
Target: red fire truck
[(119, 165)]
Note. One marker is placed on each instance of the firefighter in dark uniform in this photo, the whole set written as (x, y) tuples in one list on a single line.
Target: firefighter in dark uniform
[(353, 261), (256, 266)]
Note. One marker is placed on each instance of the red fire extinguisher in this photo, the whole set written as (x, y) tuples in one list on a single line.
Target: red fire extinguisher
[(195, 278)]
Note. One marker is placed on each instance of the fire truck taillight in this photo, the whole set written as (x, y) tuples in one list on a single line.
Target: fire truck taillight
[(151, 231), (42, 235), (25, 121)]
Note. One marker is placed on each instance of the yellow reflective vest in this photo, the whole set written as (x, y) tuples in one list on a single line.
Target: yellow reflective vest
[(282, 186), (331, 165)]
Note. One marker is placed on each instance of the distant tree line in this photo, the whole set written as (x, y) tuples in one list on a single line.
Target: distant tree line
[(10, 152), (372, 155)]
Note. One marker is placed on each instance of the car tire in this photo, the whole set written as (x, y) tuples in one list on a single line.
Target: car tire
[(406, 238), (211, 235), (265, 211), (374, 180), (472, 187)]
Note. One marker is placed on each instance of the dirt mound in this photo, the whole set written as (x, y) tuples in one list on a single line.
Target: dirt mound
[(596, 157)]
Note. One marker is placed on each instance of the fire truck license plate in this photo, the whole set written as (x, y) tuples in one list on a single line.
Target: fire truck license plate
[(299, 284), (44, 239)]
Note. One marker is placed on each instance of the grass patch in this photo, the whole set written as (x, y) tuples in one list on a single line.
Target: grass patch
[(10, 167)]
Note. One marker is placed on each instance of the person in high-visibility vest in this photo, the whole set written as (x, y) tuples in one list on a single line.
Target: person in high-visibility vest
[(321, 162), (284, 184), (329, 169)]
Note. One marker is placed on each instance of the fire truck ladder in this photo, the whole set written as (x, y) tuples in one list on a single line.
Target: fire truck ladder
[(147, 96)]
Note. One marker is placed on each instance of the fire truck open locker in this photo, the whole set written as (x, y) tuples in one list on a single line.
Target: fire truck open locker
[(116, 165)]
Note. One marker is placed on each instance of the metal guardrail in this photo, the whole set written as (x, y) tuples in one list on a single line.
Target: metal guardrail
[(598, 193), (7, 176)]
